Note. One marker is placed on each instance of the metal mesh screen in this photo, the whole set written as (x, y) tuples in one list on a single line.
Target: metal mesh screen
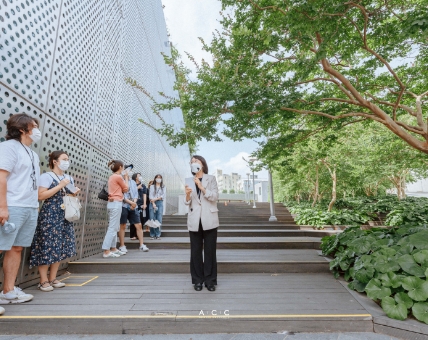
[(64, 62)]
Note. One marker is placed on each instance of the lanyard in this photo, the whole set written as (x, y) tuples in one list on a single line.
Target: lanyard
[(33, 175), (59, 180)]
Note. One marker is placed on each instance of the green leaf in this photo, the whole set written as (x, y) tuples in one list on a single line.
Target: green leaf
[(347, 275), (420, 311), (404, 298), (421, 257), (394, 310), (391, 279), (344, 264), (375, 290), (420, 240), (382, 264), (409, 265), (359, 286), (417, 288), (405, 249), (361, 245), (364, 275)]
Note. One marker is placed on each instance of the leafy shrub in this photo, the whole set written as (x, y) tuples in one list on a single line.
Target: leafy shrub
[(409, 212), (389, 265), (320, 218), (353, 211)]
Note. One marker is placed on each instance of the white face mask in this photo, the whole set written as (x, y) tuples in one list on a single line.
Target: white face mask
[(64, 165), (158, 180), (196, 167), (36, 135), (140, 179)]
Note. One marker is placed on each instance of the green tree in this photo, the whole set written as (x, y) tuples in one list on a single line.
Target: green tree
[(363, 160), (290, 69)]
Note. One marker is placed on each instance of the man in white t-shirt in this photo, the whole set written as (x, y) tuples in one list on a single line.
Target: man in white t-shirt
[(19, 181)]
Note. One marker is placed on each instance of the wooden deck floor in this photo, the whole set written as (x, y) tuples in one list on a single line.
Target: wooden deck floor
[(135, 303)]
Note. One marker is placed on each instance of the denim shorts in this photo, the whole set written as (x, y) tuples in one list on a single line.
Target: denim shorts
[(25, 220), (129, 215)]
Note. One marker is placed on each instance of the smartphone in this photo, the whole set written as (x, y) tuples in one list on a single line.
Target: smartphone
[(72, 188)]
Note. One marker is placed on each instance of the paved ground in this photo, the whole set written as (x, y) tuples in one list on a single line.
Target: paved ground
[(262, 336)]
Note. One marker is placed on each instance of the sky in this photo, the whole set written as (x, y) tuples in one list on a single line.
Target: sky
[(187, 20)]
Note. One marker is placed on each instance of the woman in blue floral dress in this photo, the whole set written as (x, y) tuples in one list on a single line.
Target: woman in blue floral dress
[(54, 239)]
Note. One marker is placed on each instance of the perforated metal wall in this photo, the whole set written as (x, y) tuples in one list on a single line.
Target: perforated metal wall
[(64, 62)]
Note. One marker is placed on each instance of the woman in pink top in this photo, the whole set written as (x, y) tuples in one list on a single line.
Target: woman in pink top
[(117, 185)]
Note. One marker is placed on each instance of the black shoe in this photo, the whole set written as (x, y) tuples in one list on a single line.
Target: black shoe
[(211, 288), (198, 287)]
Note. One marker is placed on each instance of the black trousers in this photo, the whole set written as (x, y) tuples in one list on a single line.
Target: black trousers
[(203, 269), (133, 230)]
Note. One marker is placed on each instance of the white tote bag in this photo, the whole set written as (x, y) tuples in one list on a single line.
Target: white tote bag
[(72, 208)]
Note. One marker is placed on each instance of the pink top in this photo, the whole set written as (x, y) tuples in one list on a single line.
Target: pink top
[(116, 187)]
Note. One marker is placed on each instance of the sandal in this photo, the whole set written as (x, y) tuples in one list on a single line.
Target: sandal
[(57, 284), (42, 287), (133, 238)]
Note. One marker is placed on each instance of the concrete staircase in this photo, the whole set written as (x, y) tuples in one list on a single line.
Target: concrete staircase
[(247, 243)]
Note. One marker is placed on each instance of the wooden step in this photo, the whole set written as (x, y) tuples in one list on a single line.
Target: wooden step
[(246, 226), (229, 261), (169, 232), (262, 242)]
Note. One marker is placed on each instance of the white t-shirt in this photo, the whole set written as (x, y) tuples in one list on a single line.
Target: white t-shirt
[(47, 178), (15, 160)]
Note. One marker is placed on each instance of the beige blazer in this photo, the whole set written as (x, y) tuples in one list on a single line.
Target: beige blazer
[(203, 209)]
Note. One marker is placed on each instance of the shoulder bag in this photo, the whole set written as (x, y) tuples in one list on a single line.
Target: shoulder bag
[(71, 205), (103, 194)]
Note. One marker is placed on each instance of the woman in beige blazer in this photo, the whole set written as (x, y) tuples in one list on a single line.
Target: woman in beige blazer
[(202, 223)]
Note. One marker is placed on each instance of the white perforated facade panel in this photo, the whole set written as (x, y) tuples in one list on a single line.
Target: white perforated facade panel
[(64, 62)]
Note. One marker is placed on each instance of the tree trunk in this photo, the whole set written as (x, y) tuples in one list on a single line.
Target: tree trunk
[(316, 188), (333, 192), (403, 186)]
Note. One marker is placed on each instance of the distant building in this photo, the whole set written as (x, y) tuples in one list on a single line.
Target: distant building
[(228, 182), (418, 188), (261, 188)]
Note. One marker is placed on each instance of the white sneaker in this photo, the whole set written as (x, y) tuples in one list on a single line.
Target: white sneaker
[(111, 255), (118, 252), (2, 310), (49, 288), (123, 249), (143, 247), (59, 284), (14, 296)]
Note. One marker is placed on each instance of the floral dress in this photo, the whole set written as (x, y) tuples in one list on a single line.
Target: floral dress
[(54, 239)]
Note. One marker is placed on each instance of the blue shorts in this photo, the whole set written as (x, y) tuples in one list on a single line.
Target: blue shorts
[(129, 215), (25, 220)]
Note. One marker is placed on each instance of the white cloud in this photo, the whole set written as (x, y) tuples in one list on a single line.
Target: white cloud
[(235, 164), (189, 19)]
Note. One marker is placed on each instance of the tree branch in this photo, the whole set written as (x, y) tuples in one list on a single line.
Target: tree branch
[(401, 106), (368, 49), (346, 115)]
